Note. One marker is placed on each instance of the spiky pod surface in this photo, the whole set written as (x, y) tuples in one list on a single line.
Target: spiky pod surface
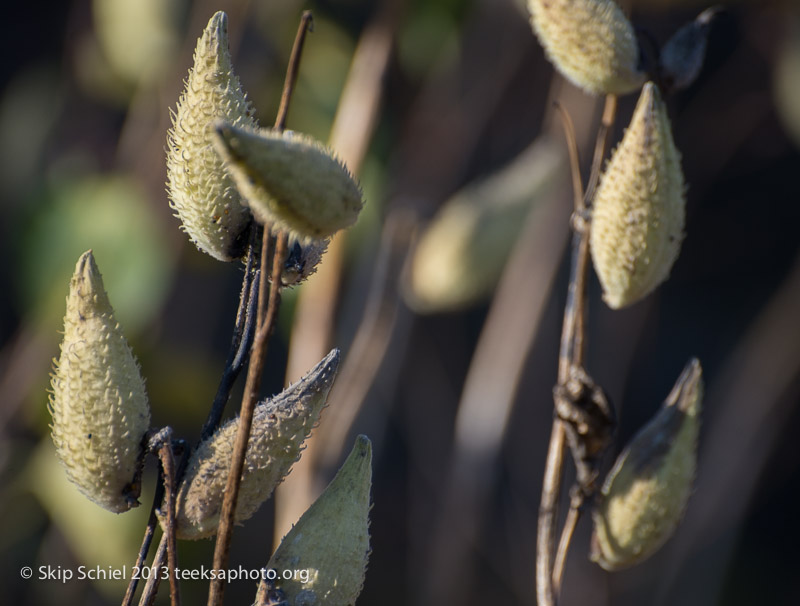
[(290, 180), (591, 42), (638, 211), (646, 492), (200, 189), (98, 404), (331, 539), (280, 426)]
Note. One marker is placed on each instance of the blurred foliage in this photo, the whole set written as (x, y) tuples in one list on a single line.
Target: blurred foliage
[(110, 215)]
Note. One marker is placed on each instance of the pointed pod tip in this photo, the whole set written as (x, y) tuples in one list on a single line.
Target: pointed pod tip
[(687, 392), (86, 261), (362, 449), (218, 24)]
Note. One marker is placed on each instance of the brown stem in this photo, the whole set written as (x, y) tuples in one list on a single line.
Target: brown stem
[(571, 353), (306, 25), (548, 510), (573, 515), (606, 122), (149, 531), (268, 304), (150, 590), (168, 465), (266, 325)]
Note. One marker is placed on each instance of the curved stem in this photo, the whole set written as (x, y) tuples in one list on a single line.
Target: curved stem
[(548, 512), (549, 570), (573, 515)]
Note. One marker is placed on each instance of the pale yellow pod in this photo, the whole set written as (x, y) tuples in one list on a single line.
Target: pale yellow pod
[(280, 426), (639, 209), (330, 542), (98, 403), (460, 255), (646, 492), (591, 42), (200, 189), (290, 180)]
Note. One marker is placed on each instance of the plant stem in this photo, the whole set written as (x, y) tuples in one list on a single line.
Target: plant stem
[(168, 465), (306, 25), (237, 356), (150, 590), (571, 352), (242, 338), (573, 515), (268, 304)]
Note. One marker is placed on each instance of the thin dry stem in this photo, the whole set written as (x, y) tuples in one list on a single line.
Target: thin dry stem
[(573, 515), (151, 587), (548, 510), (268, 304), (315, 309), (306, 25), (571, 353), (168, 465), (574, 156), (149, 531)]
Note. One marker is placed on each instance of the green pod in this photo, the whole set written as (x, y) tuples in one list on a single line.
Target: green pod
[(331, 539), (280, 426), (645, 493), (200, 190), (639, 209), (591, 42), (290, 180), (98, 404)]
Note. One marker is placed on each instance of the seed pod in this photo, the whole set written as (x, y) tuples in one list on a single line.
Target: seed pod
[(200, 190), (460, 255), (99, 405), (681, 59), (331, 539), (280, 425), (290, 180), (638, 211), (645, 493), (590, 42), (302, 261)]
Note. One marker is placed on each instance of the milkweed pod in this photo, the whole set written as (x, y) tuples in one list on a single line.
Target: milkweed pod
[(290, 180), (280, 426), (639, 208), (200, 190), (302, 261), (460, 255), (98, 402), (681, 58), (590, 42), (331, 539), (645, 493)]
